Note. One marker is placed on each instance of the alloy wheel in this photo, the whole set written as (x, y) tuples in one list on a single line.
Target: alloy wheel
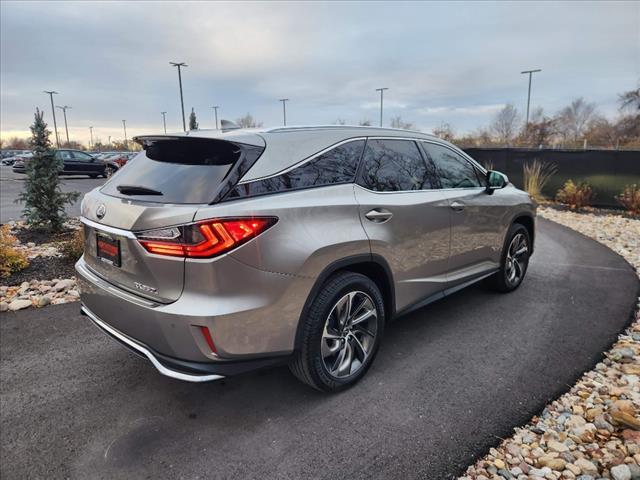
[(349, 334), (516, 261)]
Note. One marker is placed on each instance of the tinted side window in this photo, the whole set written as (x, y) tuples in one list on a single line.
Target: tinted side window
[(338, 165), (65, 155), (81, 156), (453, 170), (395, 165)]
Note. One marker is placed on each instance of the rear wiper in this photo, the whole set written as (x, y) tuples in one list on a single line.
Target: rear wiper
[(136, 190)]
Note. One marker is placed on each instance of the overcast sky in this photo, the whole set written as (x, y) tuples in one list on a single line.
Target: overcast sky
[(452, 62)]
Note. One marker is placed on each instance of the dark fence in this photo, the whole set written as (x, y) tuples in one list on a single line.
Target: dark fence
[(607, 171)]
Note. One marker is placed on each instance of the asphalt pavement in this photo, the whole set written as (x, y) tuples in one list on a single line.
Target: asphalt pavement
[(11, 184), (450, 379)]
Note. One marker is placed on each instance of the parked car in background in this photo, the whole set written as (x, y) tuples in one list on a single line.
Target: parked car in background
[(116, 160), (8, 161), (220, 252), (75, 162)]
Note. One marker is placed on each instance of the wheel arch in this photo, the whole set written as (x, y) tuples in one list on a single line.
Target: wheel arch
[(528, 222), (372, 266)]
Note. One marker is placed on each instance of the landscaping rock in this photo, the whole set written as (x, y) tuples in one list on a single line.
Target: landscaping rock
[(19, 305), (593, 431)]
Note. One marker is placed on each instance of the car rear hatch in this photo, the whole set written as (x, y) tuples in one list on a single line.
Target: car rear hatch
[(160, 188)]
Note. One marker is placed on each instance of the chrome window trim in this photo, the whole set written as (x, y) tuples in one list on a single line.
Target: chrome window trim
[(303, 161), (107, 229)]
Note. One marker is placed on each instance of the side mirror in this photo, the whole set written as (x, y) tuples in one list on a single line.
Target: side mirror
[(496, 181)]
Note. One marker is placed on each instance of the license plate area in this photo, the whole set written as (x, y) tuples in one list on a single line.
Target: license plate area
[(108, 249)]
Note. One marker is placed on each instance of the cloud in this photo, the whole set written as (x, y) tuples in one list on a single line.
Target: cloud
[(469, 110), (455, 62)]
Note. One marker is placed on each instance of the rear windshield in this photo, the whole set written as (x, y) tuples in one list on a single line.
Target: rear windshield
[(186, 170)]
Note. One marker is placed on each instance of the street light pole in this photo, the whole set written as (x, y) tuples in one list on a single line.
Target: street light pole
[(91, 133), (64, 112), (109, 141), (180, 65), (215, 111), (126, 143), (530, 72), (51, 93), (381, 90), (284, 109), (164, 121)]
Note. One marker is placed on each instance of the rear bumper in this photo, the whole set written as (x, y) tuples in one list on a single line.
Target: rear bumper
[(182, 369)]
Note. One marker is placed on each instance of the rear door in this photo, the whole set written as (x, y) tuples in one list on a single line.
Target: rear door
[(405, 217), (68, 162), (476, 217), (184, 175)]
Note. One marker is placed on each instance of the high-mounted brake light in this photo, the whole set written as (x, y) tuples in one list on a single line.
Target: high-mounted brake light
[(204, 239)]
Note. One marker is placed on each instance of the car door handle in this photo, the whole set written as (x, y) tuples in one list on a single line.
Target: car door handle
[(379, 215), (457, 206)]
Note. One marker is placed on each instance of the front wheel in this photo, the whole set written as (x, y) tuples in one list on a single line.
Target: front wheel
[(515, 260), (341, 332)]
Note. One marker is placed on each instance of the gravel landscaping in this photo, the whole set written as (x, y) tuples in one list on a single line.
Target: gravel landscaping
[(593, 431), (50, 277)]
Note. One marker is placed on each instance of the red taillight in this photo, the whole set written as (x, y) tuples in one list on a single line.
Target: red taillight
[(204, 239)]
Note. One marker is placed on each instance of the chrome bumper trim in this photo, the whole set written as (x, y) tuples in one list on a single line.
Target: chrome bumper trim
[(146, 352)]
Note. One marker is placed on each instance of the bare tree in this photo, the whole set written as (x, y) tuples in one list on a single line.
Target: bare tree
[(573, 119), (630, 100), (397, 122), (445, 132), (505, 124), (248, 122), (540, 131), (365, 123), (339, 121)]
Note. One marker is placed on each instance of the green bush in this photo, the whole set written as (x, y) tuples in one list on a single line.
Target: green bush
[(72, 249), (11, 260), (630, 199), (575, 195)]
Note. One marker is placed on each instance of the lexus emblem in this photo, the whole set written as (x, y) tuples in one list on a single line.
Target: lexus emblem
[(100, 211)]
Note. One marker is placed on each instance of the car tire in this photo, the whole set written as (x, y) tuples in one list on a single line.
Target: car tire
[(341, 332), (514, 261), (109, 171), (93, 176)]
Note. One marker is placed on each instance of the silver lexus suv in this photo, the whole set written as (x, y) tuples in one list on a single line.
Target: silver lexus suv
[(213, 253)]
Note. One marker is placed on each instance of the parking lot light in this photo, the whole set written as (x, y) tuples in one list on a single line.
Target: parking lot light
[(180, 65), (51, 93), (284, 110), (381, 90), (66, 128), (164, 121)]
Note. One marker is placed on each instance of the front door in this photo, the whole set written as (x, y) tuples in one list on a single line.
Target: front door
[(405, 218), (476, 217)]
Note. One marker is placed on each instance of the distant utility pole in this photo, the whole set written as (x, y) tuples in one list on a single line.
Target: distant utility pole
[(91, 133), (164, 120), (530, 72), (51, 93), (64, 112), (215, 111), (109, 141), (381, 90), (124, 125), (180, 65), (284, 109)]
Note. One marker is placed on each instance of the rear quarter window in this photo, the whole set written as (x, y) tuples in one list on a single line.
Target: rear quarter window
[(336, 166)]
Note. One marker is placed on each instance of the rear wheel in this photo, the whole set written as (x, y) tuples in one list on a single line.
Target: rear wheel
[(515, 260), (341, 333), (93, 175)]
